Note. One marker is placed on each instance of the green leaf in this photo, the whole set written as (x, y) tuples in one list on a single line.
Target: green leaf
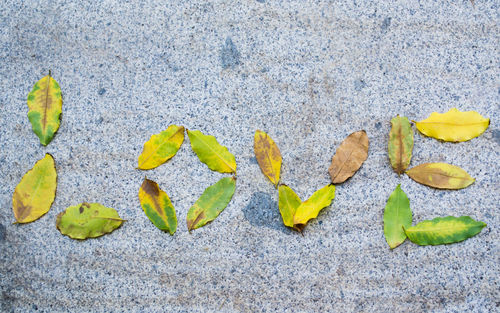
[(211, 203), (400, 144), (157, 206), (288, 204), (45, 108), (310, 208), (444, 230), (88, 220), (397, 215), (161, 147), (209, 151)]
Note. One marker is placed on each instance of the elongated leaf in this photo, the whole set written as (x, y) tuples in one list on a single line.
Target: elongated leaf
[(349, 157), (45, 108), (36, 191), (157, 206), (211, 203), (440, 175), (310, 208), (397, 215), (288, 204), (400, 144), (161, 147), (453, 125), (443, 230), (209, 151), (88, 220), (268, 156)]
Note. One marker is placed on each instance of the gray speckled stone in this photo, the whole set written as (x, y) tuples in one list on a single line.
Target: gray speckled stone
[(307, 72)]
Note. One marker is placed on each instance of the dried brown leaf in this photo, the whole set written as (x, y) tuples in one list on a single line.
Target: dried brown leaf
[(349, 157)]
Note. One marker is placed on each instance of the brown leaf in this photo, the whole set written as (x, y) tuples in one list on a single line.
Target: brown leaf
[(349, 157)]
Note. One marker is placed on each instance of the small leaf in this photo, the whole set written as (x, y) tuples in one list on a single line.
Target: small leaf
[(397, 215), (349, 157), (400, 144), (211, 203), (88, 220), (161, 147), (268, 156), (210, 152), (36, 191), (440, 175), (310, 208), (45, 108), (157, 206), (288, 204), (444, 230), (453, 125)]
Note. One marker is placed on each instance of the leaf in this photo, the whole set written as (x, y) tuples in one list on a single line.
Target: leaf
[(397, 214), (443, 230), (157, 206), (311, 207), (440, 175), (36, 191), (88, 220), (400, 144), (45, 108), (268, 156), (453, 125), (288, 204), (349, 157), (211, 203), (210, 152), (161, 147)]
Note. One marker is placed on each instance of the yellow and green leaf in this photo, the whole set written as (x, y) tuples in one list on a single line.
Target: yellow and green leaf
[(161, 147), (268, 156), (440, 175), (157, 206), (211, 203), (288, 204), (36, 191), (88, 220), (45, 108), (444, 230), (209, 151), (453, 125), (397, 214), (400, 144), (310, 208)]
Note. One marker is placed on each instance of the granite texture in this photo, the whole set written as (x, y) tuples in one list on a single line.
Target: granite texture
[(307, 72)]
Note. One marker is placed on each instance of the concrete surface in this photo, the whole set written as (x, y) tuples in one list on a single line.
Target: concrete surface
[(307, 72)]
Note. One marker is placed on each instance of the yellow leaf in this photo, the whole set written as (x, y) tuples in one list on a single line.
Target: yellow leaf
[(288, 204), (35, 193), (453, 125), (440, 175), (161, 147), (268, 156), (209, 151), (157, 206), (45, 108), (310, 208)]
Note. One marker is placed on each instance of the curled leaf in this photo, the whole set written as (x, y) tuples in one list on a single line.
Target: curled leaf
[(88, 220), (209, 151), (444, 230), (400, 144), (349, 157), (268, 156), (440, 175), (45, 108), (397, 214), (161, 147), (36, 191), (211, 203), (288, 204), (157, 206), (310, 208), (453, 125)]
